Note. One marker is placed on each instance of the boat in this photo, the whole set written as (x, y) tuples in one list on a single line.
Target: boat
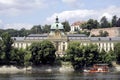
[(98, 68)]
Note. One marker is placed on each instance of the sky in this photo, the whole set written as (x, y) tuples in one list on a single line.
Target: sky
[(19, 14)]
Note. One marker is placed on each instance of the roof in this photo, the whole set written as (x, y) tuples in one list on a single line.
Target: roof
[(57, 26), (38, 35), (105, 38), (76, 35), (84, 37), (18, 38), (77, 23)]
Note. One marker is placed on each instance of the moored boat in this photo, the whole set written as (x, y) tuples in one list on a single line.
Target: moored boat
[(98, 68)]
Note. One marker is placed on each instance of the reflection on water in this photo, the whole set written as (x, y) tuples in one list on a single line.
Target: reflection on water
[(61, 76)]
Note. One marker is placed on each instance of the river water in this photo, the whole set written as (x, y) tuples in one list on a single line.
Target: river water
[(61, 76)]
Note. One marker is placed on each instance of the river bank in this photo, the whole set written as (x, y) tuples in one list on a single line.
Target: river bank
[(65, 67), (116, 67)]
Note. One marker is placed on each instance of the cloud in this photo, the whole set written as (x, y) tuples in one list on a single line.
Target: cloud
[(69, 1), (85, 14), (17, 6), (18, 26), (74, 14), (74, 3)]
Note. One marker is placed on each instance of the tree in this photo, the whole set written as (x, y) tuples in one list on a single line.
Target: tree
[(43, 52), (46, 28), (91, 24), (23, 32), (81, 55), (118, 23), (103, 33), (47, 52), (106, 57), (91, 54), (12, 32), (36, 29), (104, 22), (84, 25), (17, 56), (117, 52), (110, 56), (1, 51), (66, 26), (27, 57), (1, 31), (87, 33), (7, 45), (34, 48), (96, 23), (102, 57), (74, 52), (114, 21)]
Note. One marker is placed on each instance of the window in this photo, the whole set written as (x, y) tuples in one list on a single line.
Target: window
[(63, 47)]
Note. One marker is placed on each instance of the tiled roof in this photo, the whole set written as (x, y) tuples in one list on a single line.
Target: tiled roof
[(38, 35), (77, 23), (18, 38), (76, 35), (70, 37)]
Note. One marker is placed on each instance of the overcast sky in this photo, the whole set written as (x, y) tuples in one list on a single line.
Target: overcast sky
[(26, 13)]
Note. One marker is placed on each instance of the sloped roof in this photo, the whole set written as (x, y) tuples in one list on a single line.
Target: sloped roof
[(76, 35), (38, 35)]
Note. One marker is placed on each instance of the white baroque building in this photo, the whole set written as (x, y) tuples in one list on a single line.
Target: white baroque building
[(76, 26), (61, 40)]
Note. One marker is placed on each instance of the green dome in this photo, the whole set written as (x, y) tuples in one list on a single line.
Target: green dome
[(57, 26)]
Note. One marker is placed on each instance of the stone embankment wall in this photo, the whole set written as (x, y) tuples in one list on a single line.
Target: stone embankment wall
[(32, 69), (113, 32), (116, 66)]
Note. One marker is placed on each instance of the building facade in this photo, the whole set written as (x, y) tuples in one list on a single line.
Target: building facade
[(61, 40), (76, 26)]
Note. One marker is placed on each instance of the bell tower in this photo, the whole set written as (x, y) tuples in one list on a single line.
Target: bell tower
[(58, 37)]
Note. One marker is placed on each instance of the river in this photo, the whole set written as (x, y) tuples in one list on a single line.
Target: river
[(61, 76)]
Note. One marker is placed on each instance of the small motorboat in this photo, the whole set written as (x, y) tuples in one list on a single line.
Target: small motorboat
[(98, 68)]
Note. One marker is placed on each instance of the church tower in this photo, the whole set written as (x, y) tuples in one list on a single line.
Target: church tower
[(58, 37)]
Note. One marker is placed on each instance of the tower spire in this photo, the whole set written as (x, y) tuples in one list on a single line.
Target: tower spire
[(57, 19)]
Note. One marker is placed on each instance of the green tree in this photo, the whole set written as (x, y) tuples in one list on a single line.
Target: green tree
[(12, 32), (75, 54), (46, 28), (91, 24), (103, 33), (110, 56), (102, 56), (36, 29), (47, 52), (27, 57), (17, 56), (34, 48), (117, 52), (1, 52), (118, 23), (91, 54), (7, 45), (96, 24), (23, 32), (1, 31), (84, 25), (104, 22), (114, 21), (66, 26), (43, 52)]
